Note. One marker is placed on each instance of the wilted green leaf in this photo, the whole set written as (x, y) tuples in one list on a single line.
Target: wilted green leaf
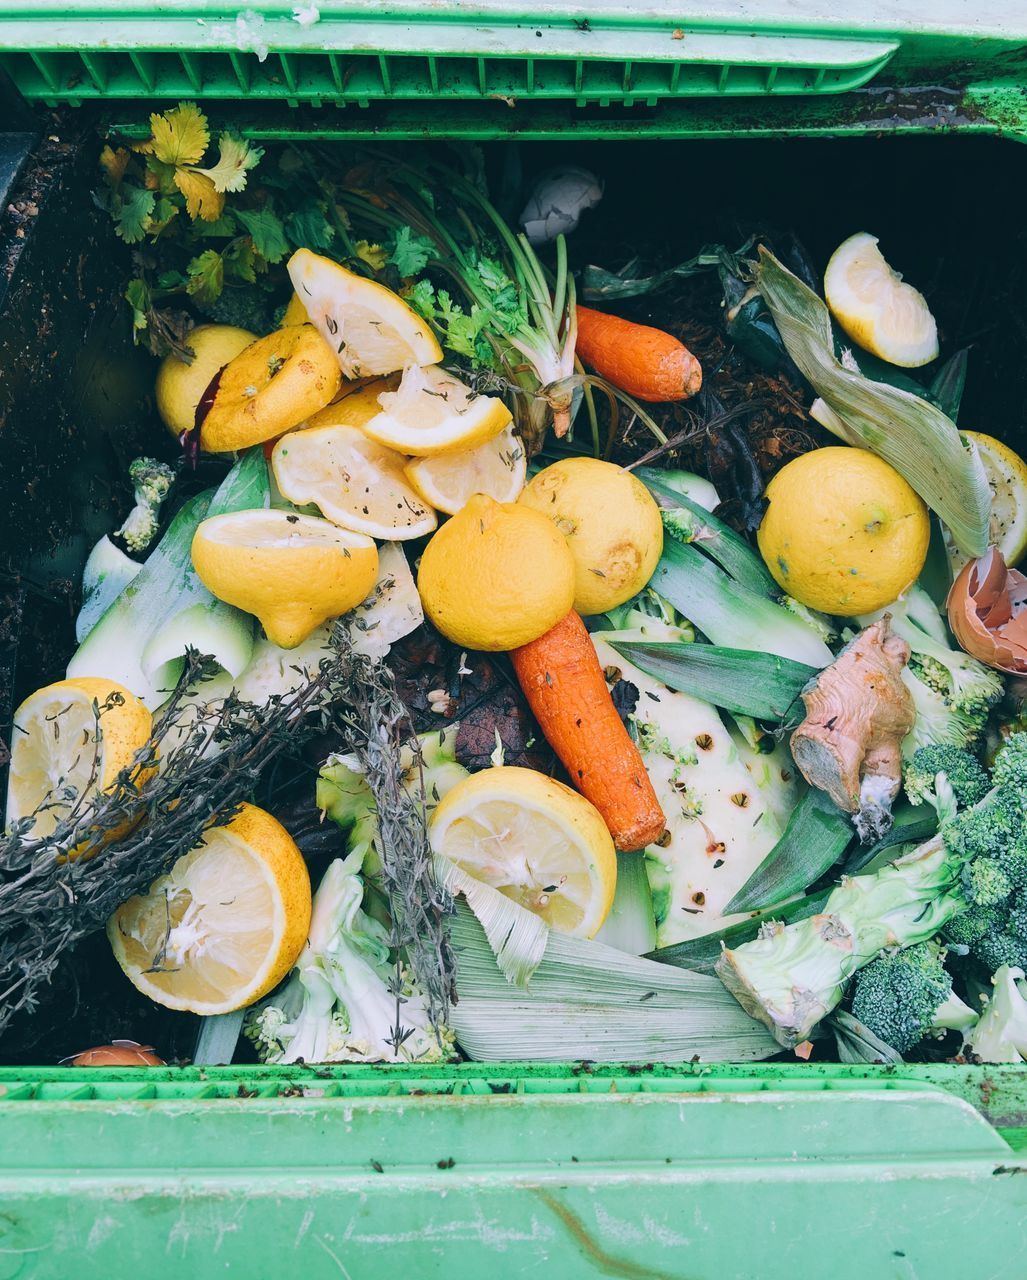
[(266, 230), (133, 212), (206, 276), (309, 228)]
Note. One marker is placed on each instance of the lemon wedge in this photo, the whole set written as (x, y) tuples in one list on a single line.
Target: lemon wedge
[(1007, 476), (70, 741), (370, 329), (876, 308), (225, 925), (293, 571), (433, 412), (535, 840), (448, 481), (355, 482)]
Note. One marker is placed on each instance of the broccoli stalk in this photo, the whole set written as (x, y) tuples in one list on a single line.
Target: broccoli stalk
[(151, 482), (904, 996), (952, 692), (339, 1005), (792, 976), (344, 795), (1001, 1033)]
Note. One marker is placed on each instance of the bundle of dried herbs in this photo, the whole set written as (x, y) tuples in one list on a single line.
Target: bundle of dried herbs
[(211, 757)]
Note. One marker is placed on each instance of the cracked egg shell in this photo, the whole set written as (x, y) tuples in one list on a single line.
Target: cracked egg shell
[(987, 609)]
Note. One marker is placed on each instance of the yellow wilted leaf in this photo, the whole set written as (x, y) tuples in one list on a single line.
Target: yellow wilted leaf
[(202, 199), (180, 136), (373, 254), (114, 163), (229, 174)]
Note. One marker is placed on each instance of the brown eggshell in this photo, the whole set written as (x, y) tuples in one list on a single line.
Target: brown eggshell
[(122, 1053), (987, 608)]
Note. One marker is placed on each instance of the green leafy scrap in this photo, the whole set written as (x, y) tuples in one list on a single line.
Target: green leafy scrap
[(308, 226), (410, 253), (266, 231), (132, 209), (206, 276)]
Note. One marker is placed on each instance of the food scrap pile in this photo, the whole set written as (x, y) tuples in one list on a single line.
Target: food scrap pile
[(610, 759)]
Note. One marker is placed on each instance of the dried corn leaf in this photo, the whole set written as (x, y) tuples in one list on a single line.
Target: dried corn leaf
[(919, 441)]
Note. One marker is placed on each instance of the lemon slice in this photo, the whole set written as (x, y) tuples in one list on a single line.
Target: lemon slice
[(432, 412), (1007, 476), (225, 925), (535, 840), (369, 328), (874, 306), (293, 571), (496, 468), (70, 741), (355, 482)]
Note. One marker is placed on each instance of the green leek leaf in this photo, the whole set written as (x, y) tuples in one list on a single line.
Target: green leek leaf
[(701, 954), (730, 614), (742, 681), (817, 835), (919, 441)]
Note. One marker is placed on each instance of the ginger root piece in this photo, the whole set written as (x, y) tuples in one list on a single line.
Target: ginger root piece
[(987, 608), (858, 710)]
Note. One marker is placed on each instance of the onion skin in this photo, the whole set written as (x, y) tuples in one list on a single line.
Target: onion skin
[(123, 1053), (987, 610)]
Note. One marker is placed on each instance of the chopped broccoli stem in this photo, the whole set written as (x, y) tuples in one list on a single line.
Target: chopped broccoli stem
[(790, 977), (151, 482)]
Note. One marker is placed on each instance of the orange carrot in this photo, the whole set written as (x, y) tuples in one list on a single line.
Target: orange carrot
[(563, 682), (646, 363)]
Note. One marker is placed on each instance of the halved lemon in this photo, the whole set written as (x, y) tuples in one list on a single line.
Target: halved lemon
[(225, 925), (293, 571), (496, 468), (370, 329), (1007, 476), (876, 308), (71, 740), (433, 412), (535, 840), (355, 482)]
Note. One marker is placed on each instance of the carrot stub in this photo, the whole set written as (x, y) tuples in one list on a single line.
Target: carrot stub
[(645, 362), (563, 682)]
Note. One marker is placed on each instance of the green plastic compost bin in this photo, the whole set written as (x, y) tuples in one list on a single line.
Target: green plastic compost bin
[(840, 117)]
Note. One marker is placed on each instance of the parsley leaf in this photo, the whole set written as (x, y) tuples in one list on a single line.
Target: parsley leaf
[(133, 208), (266, 230), (206, 276), (235, 158), (411, 253), (180, 136), (202, 199), (308, 226), (137, 295)]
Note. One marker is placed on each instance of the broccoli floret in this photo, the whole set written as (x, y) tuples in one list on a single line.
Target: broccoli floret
[(953, 693), (904, 996), (819, 622), (151, 483), (1010, 767), (946, 777), (1001, 1033), (990, 828)]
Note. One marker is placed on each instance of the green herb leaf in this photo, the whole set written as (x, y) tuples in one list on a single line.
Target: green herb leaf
[(240, 260), (266, 230), (410, 252), (308, 226), (180, 136), (223, 227), (206, 276), (133, 211), (137, 295)]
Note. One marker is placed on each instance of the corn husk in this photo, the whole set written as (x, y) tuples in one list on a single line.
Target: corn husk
[(588, 1001), (909, 432)]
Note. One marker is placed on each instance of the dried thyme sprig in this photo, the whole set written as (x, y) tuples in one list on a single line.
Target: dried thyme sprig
[(125, 838), (377, 727)]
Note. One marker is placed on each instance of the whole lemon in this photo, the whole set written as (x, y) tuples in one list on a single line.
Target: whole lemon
[(293, 571), (843, 532), (611, 523), (179, 385), (496, 576)]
